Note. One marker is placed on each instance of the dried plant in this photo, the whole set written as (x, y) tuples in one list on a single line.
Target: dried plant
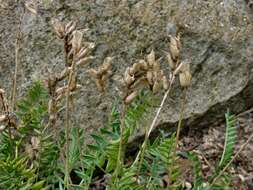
[(8, 119), (18, 42), (154, 166), (102, 74), (76, 55)]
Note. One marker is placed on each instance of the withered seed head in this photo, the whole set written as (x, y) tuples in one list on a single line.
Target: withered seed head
[(84, 61), (183, 67), (185, 79), (171, 63), (77, 41), (131, 97), (3, 118), (2, 127), (70, 27), (151, 58), (150, 77), (165, 83), (2, 91), (156, 87), (174, 47), (58, 28)]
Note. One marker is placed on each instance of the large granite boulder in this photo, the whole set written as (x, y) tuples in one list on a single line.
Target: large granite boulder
[(217, 38)]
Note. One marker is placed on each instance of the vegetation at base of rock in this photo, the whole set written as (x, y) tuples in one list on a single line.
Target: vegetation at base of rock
[(31, 159)]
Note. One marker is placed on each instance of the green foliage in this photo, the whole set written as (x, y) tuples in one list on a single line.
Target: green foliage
[(14, 174), (40, 167), (21, 169), (198, 179), (32, 109), (223, 182), (230, 140)]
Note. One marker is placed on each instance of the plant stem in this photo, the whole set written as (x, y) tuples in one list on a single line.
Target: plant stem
[(17, 62), (180, 118), (120, 160), (230, 162), (67, 126), (143, 147)]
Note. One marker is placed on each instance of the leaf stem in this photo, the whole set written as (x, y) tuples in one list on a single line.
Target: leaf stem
[(120, 159)]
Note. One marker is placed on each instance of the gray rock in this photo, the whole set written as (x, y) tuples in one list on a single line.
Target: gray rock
[(217, 38)]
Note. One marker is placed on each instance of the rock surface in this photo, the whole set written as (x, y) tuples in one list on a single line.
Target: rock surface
[(217, 39)]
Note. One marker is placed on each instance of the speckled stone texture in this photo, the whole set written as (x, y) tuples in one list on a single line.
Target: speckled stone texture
[(217, 39)]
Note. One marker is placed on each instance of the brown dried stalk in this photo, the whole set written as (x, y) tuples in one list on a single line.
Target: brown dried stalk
[(174, 63), (102, 74), (17, 60), (76, 55)]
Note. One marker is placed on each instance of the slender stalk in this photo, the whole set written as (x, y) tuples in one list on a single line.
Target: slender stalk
[(145, 142), (180, 118), (143, 147), (67, 128), (230, 162), (120, 160), (17, 62)]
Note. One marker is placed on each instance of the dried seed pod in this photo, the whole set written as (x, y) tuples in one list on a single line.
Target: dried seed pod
[(82, 53), (58, 28), (104, 78), (99, 85), (156, 66), (2, 91), (151, 58), (165, 83), (185, 79), (93, 73), (2, 127), (171, 63), (108, 61), (141, 82), (61, 90), (85, 50), (77, 41), (150, 77), (131, 97), (84, 61), (174, 49), (50, 107), (128, 78), (106, 66), (70, 27), (132, 71), (137, 66), (73, 83), (183, 67), (3, 118), (64, 74), (143, 65), (156, 87)]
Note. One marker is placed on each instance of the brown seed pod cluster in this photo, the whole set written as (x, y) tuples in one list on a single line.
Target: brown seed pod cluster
[(73, 46), (174, 52), (180, 68), (184, 74), (102, 74), (7, 119), (143, 74), (76, 55)]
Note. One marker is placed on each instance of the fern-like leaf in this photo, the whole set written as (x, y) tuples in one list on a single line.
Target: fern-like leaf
[(230, 140)]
